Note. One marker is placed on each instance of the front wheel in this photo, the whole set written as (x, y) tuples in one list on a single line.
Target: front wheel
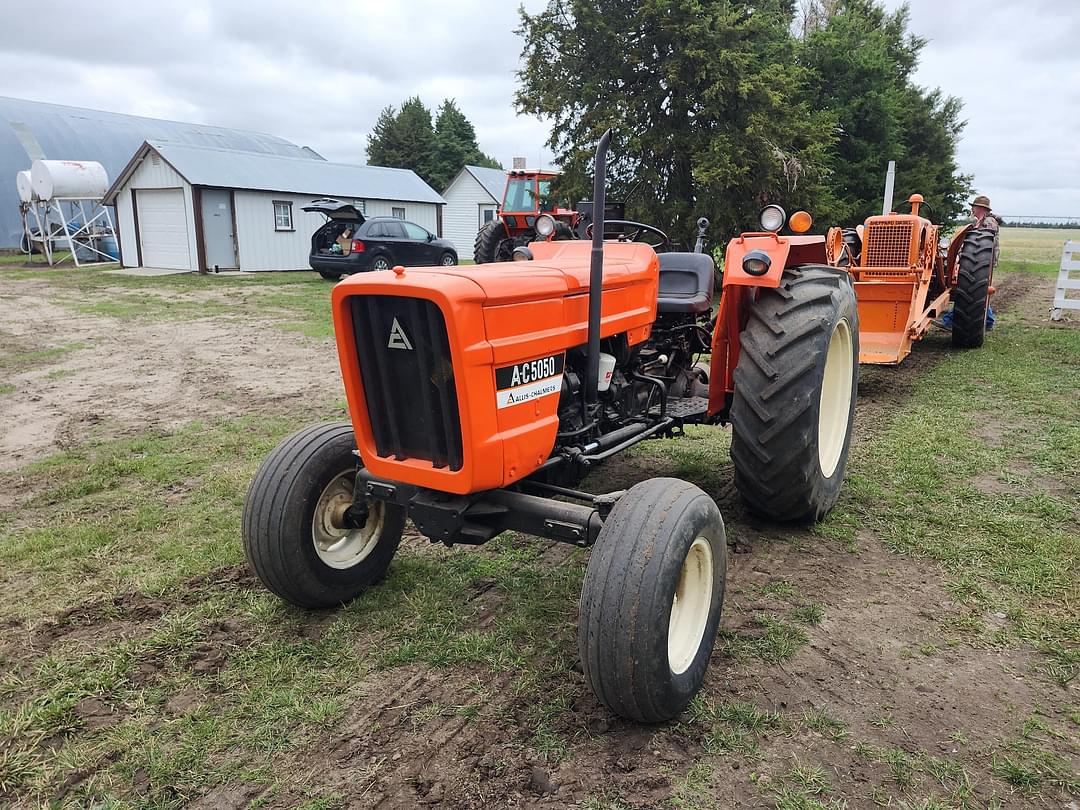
[(303, 537), (448, 259), (795, 386), (380, 263), (651, 600), (330, 276)]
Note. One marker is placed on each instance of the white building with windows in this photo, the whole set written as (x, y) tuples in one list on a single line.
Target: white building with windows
[(472, 200), (186, 207)]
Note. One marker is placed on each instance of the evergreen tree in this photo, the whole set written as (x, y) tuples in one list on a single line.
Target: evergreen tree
[(705, 99), (861, 60), (455, 146)]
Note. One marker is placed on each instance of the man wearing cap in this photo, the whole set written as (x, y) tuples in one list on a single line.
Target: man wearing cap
[(985, 219)]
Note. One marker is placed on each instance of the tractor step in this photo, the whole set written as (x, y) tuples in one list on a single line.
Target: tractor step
[(687, 408)]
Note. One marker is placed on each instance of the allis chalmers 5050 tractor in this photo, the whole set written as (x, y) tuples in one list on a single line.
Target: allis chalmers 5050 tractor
[(481, 396), (904, 279)]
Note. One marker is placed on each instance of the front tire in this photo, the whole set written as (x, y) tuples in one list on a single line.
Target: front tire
[(971, 296), (448, 259), (795, 386), (297, 537), (651, 600), (380, 263)]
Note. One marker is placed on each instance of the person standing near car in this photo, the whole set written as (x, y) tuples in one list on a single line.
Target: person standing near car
[(985, 219)]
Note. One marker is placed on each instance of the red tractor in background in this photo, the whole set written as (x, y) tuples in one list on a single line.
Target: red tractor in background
[(528, 195)]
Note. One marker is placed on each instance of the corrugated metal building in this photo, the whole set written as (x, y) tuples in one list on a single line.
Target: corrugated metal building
[(189, 207), (32, 129), (472, 199)]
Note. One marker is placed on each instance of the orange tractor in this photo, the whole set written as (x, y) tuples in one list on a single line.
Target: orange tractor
[(904, 279), (481, 396), (527, 196)]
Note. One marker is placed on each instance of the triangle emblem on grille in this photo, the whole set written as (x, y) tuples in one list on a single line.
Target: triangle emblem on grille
[(398, 338)]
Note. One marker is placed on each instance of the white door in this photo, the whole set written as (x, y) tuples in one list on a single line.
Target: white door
[(163, 233)]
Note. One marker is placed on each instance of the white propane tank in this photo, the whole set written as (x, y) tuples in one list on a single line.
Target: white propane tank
[(69, 178), (25, 186)]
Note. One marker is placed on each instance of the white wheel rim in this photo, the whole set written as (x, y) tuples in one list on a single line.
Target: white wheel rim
[(690, 606), (447, 261), (381, 264), (834, 409), (338, 546)]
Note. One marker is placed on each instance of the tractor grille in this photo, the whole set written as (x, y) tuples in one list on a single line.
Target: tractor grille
[(408, 378), (888, 244)]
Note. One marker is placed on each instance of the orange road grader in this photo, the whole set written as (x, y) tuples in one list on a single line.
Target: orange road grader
[(481, 396), (904, 279)]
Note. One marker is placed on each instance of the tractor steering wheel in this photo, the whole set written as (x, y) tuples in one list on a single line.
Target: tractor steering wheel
[(929, 215), (627, 231)]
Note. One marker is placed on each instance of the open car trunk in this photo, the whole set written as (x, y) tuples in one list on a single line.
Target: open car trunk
[(340, 217)]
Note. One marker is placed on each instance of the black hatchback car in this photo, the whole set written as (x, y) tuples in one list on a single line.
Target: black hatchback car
[(348, 242)]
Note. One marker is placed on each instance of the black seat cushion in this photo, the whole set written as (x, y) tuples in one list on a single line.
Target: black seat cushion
[(686, 283)]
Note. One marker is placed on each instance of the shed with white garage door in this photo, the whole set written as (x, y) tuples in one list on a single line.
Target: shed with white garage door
[(185, 207), (472, 201)]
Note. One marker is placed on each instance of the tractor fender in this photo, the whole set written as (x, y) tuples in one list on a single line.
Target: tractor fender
[(953, 253), (783, 251)]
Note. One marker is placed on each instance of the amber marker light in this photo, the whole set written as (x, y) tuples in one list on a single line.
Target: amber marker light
[(800, 222)]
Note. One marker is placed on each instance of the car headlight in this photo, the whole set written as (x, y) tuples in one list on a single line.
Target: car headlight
[(772, 218), (545, 225), (756, 263)]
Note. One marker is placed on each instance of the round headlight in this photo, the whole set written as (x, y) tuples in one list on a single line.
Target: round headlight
[(545, 226), (756, 263), (772, 218), (522, 254), (800, 222)]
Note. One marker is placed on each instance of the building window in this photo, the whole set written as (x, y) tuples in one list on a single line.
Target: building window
[(486, 216), (399, 213), (283, 216)]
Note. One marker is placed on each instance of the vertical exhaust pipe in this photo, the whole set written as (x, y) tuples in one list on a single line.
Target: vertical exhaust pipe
[(596, 274), (890, 180)]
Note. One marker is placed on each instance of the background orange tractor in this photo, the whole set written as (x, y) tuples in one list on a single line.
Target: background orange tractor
[(528, 194), (904, 279), (481, 396)]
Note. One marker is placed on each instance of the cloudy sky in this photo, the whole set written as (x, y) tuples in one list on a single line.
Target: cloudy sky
[(318, 73)]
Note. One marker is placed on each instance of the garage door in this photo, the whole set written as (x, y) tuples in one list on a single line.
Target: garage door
[(163, 228)]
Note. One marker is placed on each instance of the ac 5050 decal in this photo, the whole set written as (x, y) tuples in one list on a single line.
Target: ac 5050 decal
[(524, 382)]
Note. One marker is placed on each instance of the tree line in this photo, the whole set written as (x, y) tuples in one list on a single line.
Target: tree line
[(719, 107), (406, 139)]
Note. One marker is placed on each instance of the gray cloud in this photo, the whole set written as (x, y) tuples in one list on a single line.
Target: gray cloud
[(318, 73)]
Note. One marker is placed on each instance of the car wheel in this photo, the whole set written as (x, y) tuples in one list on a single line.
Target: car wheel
[(448, 259), (329, 276), (380, 263)]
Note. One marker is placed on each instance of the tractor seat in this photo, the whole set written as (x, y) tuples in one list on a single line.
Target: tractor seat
[(686, 283)]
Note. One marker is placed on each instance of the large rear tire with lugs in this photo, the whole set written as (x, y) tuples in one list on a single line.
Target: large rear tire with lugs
[(651, 600), (493, 244), (795, 386), (971, 296), (300, 537)]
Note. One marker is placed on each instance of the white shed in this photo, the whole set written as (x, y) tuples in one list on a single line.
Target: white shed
[(472, 199), (200, 208)]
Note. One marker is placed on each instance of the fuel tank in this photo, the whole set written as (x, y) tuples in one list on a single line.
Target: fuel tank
[(453, 374)]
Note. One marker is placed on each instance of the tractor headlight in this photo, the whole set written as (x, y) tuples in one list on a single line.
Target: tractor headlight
[(756, 263), (545, 226), (522, 254), (772, 218)]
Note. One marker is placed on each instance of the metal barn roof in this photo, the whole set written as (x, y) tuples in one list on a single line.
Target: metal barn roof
[(493, 180), (230, 168), (74, 133)]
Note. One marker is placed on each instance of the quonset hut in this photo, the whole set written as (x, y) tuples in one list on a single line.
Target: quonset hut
[(32, 129)]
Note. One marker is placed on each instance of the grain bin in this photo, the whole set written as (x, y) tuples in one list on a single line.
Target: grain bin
[(80, 179)]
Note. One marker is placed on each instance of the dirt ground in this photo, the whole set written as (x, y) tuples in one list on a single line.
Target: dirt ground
[(419, 737)]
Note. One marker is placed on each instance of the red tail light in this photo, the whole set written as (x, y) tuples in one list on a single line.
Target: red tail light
[(357, 246)]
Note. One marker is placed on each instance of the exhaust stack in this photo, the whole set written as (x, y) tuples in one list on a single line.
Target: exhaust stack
[(890, 180), (596, 274)]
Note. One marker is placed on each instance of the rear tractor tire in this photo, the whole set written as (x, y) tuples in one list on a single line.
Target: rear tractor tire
[(651, 600), (493, 244), (299, 537), (971, 296), (795, 386)]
